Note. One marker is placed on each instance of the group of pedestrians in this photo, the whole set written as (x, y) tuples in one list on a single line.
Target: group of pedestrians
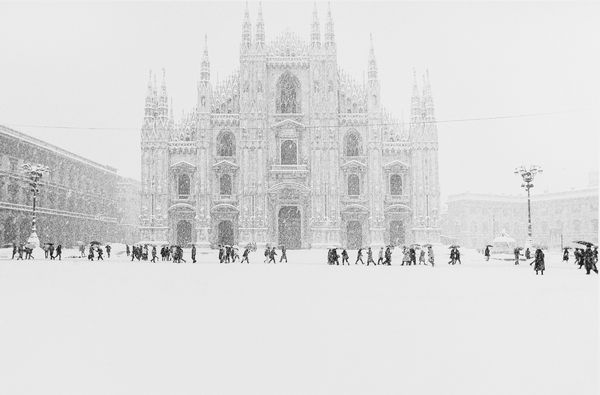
[(25, 251), (385, 256), (587, 258), (271, 253)]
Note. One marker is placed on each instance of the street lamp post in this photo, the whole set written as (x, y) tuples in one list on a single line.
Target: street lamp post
[(34, 174), (528, 175)]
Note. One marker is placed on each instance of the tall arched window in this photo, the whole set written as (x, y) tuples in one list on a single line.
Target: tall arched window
[(395, 185), (288, 94), (226, 144), (183, 186), (289, 153), (353, 185), (352, 144), (225, 184)]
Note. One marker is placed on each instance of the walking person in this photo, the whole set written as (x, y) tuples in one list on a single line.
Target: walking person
[(14, 250), (413, 256), (267, 254), (59, 252), (245, 255), (108, 248), (91, 253), (370, 256), (517, 253), (153, 254), (193, 253), (486, 253), (100, 252), (283, 255), (381, 253), (527, 253), (405, 257), (452, 256), (431, 257), (127, 250), (20, 252), (51, 251), (272, 255), (539, 262), (422, 257), (345, 257), (566, 255), (359, 257), (589, 261), (388, 256)]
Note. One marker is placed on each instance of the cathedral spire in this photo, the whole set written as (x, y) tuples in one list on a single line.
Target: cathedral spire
[(329, 35), (246, 30), (163, 100), (148, 107), (427, 97), (260, 28), (205, 65), (372, 62), (315, 31), (415, 101)]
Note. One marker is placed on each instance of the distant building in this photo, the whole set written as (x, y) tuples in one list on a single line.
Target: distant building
[(473, 220), (79, 200)]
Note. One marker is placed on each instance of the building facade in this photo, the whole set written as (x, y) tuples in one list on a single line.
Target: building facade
[(78, 199), (473, 220), (289, 150)]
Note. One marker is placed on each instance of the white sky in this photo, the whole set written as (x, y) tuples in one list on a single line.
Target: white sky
[(86, 64)]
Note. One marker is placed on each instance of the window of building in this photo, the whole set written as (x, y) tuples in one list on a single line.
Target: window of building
[(226, 144), (353, 185), (289, 153), (352, 144), (288, 94), (225, 186), (395, 185), (183, 186)]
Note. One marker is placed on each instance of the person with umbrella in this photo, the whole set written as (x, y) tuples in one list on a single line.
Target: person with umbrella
[(589, 261), (486, 253), (413, 255), (108, 248), (51, 251), (452, 256), (539, 261), (267, 253), (566, 254), (100, 252)]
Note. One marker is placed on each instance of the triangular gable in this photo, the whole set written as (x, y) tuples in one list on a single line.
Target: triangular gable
[(289, 123), (395, 163)]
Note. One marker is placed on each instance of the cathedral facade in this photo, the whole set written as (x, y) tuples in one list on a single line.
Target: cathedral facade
[(289, 150)]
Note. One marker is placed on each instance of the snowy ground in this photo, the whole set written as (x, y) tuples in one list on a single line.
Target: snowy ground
[(304, 328)]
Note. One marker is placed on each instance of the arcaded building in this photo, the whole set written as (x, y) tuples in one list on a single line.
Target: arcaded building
[(289, 150)]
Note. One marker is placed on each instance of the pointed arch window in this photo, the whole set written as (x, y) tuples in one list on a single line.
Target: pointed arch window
[(226, 144), (288, 94), (183, 186), (289, 152), (225, 187), (353, 144), (353, 185), (395, 185)]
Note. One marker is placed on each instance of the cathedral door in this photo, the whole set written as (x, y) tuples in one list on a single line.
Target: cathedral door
[(396, 233), (354, 235), (290, 224), (225, 233), (184, 233)]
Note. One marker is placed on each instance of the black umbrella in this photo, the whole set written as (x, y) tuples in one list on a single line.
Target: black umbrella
[(454, 246), (585, 243), (489, 245), (95, 242)]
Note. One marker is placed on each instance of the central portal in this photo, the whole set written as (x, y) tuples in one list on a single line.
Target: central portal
[(290, 227), (354, 235), (184, 233)]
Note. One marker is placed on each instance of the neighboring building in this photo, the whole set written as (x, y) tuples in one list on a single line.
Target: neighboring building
[(289, 150), (473, 220), (128, 209), (78, 200)]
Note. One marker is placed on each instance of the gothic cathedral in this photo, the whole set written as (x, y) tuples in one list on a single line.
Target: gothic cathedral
[(289, 150)]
